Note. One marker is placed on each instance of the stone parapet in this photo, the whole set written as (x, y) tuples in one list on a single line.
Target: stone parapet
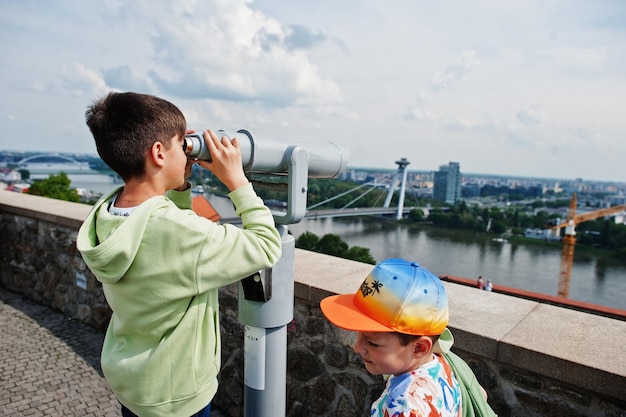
[(534, 359)]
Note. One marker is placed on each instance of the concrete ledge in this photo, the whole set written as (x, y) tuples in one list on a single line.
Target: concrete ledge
[(43, 208), (569, 346), (577, 348)]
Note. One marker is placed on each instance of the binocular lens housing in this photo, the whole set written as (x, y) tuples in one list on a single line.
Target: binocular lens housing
[(325, 159)]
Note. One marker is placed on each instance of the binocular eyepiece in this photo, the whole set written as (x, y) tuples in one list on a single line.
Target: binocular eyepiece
[(195, 147), (325, 159)]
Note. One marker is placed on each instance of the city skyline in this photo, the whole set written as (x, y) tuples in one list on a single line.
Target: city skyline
[(525, 180), (533, 88)]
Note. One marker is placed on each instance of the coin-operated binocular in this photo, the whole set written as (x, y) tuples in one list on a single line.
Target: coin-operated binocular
[(297, 161), (266, 298)]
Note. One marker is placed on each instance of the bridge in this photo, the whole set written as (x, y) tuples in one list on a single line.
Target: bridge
[(54, 163), (398, 180), (343, 212), (360, 211), (64, 158)]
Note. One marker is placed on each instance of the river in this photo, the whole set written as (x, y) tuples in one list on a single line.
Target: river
[(594, 279), (531, 267), (451, 252)]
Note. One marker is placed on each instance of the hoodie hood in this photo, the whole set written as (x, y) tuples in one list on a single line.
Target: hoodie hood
[(109, 258)]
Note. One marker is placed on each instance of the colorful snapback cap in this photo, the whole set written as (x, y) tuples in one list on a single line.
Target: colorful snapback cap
[(397, 296)]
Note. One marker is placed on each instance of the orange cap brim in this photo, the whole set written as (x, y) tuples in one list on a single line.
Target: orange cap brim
[(341, 311)]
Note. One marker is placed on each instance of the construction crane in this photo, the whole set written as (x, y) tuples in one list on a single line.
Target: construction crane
[(569, 241)]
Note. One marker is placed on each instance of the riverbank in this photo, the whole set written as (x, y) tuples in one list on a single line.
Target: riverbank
[(614, 255)]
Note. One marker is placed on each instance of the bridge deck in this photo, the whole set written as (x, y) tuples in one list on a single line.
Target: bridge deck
[(356, 211)]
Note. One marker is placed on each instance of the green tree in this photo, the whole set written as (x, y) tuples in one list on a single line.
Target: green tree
[(24, 174), (498, 227), (515, 219), (437, 217), (540, 219), (307, 241), (462, 207), (332, 244), (360, 254), (484, 217), (416, 215), (55, 186)]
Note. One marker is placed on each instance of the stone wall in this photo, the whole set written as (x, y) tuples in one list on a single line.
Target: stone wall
[(39, 259), (326, 378), (533, 359)]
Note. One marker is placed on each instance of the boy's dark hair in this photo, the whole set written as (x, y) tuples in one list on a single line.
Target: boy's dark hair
[(126, 125), (405, 339)]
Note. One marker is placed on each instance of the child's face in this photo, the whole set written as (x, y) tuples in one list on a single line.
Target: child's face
[(383, 353), (178, 161)]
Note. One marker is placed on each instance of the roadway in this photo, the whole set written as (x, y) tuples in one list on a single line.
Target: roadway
[(356, 211), (349, 212)]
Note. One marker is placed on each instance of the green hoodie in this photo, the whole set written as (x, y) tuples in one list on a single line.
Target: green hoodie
[(160, 270)]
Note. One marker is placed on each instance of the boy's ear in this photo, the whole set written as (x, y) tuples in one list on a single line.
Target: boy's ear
[(422, 346), (157, 153)]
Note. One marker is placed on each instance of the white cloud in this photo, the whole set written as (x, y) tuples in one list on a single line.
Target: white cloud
[(530, 116), (438, 80), (421, 114), (456, 71), (577, 60), (36, 86), (225, 50), (79, 81), (125, 78)]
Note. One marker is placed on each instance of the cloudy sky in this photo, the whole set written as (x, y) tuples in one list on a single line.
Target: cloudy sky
[(525, 88)]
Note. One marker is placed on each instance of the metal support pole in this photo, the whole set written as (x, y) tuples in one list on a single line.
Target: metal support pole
[(265, 308), (267, 396)]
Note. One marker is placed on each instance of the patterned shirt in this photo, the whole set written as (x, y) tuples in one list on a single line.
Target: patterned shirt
[(429, 391)]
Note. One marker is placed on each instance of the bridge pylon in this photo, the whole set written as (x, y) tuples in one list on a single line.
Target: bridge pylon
[(401, 174)]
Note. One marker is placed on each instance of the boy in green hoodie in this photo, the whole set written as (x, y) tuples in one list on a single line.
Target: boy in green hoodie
[(159, 263)]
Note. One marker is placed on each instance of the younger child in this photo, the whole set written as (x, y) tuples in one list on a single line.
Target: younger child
[(400, 313), (159, 263)]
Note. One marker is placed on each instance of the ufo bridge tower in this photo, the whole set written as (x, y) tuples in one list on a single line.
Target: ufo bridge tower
[(400, 174)]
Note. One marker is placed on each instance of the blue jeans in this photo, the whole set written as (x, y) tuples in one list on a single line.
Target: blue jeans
[(205, 412)]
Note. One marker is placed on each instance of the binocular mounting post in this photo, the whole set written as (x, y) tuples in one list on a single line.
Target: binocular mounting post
[(266, 301)]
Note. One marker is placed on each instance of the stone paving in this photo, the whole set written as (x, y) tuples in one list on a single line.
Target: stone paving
[(50, 364)]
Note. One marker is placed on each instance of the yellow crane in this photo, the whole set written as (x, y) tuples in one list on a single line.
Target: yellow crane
[(569, 241)]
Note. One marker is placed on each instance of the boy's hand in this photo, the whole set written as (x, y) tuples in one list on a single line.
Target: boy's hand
[(226, 161)]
